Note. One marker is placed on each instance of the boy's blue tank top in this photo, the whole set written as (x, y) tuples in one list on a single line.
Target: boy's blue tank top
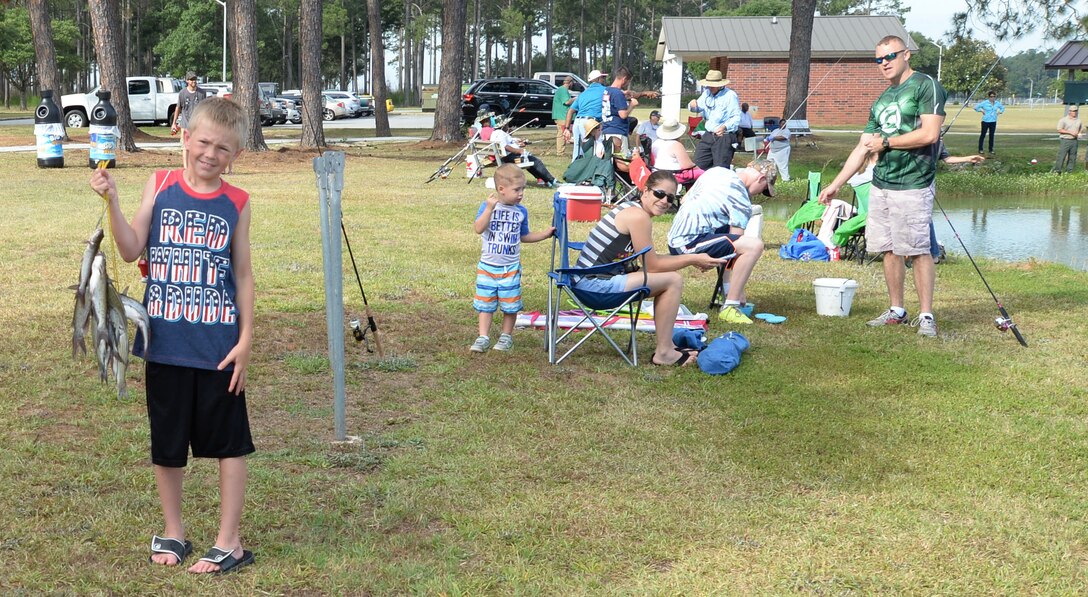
[(190, 282)]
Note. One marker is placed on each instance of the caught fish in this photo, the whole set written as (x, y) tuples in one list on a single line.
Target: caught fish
[(107, 312), (119, 330), (89, 254), (96, 288), (137, 314), (82, 311), (118, 327)]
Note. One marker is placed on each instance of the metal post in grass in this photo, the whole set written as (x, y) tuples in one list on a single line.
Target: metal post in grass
[(329, 169)]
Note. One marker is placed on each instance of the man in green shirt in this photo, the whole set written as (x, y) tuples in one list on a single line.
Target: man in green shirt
[(560, 103), (903, 130)]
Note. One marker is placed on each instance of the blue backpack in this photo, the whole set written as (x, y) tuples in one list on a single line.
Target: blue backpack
[(804, 246)]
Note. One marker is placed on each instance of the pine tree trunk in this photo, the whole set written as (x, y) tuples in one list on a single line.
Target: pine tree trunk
[(309, 36), (377, 69), (106, 21), (42, 31), (243, 57), (548, 35), (447, 114), (797, 76)]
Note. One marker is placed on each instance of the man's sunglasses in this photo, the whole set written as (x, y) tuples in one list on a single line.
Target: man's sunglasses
[(889, 57), (663, 195)]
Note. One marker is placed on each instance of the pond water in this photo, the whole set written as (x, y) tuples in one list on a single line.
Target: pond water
[(1012, 228)]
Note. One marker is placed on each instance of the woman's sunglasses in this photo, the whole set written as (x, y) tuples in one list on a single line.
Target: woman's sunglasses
[(889, 57), (663, 195)]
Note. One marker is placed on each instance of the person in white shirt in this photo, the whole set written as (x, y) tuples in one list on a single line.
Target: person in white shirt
[(779, 150), (668, 153)]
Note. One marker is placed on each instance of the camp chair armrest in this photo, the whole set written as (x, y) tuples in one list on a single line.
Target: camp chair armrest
[(607, 269)]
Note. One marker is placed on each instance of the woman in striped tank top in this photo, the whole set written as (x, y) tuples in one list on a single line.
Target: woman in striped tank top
[(627, 229)]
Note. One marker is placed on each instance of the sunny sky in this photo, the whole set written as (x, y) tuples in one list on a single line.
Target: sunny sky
[(934, 18)]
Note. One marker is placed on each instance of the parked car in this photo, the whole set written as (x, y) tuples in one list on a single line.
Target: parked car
[(334, 108), (351, 103), (279, 112), (367, 102), (150, 99), (292, 105), (557, 77), (270, 114), (523, 99)]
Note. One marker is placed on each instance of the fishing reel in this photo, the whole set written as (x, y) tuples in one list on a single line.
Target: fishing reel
[(359, 332), (1005, 324)]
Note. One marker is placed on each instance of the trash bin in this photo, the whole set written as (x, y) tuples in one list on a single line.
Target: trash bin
[(430, 98), (388, 105)]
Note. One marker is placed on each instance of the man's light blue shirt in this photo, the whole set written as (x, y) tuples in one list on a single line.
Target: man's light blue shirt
[(588, 104), (990, 110), (718, 109)]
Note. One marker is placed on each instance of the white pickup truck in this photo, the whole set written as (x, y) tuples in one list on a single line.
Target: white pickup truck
[(150, 99)]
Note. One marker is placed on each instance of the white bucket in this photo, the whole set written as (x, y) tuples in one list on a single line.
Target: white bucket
[(834, 296), (472, 167)]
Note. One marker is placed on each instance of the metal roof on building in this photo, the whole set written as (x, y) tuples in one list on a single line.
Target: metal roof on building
[(1074, 54), (703, 38)]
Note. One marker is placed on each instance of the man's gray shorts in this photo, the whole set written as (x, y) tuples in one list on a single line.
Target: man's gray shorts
[(899, 221)]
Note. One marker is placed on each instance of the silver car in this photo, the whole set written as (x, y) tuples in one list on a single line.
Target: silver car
[(351, 103)]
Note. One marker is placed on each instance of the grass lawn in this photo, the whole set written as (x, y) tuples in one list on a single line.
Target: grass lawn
[(837, 459)]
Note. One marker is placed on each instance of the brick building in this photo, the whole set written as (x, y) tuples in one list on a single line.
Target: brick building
[(753, 53)]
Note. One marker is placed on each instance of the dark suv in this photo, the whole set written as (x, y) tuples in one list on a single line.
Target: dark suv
[(523, 99)]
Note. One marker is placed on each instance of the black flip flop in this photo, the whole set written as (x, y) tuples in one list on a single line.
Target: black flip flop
[(172, 546), (685, 354), (226, 560)]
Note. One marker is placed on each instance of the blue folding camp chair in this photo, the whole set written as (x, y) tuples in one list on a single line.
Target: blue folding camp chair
[(599, 309)]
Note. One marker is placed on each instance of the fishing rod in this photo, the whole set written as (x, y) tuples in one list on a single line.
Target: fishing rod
[(1005, 322), (813, 90), (360, 332), (977, 85)]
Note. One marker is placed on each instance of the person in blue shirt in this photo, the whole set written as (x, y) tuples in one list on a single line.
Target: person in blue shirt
[(990, 108), (588, 105), (720, 108)]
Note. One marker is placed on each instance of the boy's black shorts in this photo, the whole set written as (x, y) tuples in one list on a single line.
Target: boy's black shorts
[(188, 406)]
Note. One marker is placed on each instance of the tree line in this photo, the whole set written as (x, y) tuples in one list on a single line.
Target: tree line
[(306, 44)]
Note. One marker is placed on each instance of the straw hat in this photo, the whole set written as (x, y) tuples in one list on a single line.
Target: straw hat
[(670, 129), (589, 125), (714, 79)]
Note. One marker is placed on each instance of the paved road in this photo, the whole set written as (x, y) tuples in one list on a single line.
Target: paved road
[(407, 120)]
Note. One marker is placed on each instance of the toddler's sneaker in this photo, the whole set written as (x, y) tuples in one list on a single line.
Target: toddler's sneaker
[(730, 314), (506, 342), (887, 318), (927, 326), (481, 344)]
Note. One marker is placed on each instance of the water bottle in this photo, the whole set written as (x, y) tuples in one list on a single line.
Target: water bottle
[(49, 132), (103, 131)]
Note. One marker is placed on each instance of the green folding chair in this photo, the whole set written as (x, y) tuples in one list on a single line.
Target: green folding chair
[(850, 235), (811, 209)]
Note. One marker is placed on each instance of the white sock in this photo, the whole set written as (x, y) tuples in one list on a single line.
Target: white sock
[(729, 303), (927, 315), (899, 311)]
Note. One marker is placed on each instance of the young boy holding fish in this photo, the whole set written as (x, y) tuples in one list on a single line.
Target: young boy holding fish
[(199, 298)]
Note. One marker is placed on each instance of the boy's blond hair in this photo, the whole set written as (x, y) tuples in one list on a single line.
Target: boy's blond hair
[(223, 113), (508, 174)]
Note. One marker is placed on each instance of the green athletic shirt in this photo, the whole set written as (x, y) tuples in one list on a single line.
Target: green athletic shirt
[(899, 111)]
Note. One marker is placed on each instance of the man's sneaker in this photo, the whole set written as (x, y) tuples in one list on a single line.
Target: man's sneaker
[(887, 318), (927, 326), (506, 342), (481, 344), (730, 314)]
